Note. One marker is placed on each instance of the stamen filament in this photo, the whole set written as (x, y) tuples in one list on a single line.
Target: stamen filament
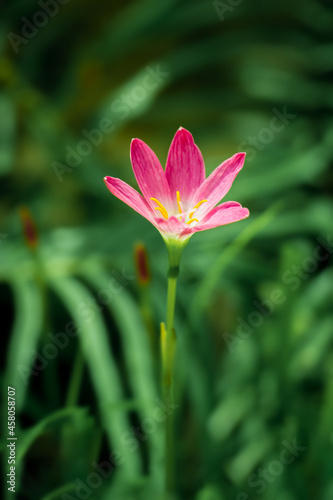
[(163, 212), (179, 204), (197, 206), (192, 220), (160, 208)]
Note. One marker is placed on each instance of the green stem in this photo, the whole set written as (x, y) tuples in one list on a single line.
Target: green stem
[(168, 383), (169, 444), (171, 301), (175, 249)]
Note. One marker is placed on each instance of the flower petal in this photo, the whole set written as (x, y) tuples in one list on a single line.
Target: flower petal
[(172, 226), (149, 174), (130, 196), (216, 186), (223, 214), (185, 168)]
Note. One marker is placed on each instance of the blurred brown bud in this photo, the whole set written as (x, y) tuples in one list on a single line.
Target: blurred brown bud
[(141, 264), (29, 228)]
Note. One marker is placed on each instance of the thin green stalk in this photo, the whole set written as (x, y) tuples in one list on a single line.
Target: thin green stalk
[(169, 444), (171, 301), (175, 249), (168, 339)]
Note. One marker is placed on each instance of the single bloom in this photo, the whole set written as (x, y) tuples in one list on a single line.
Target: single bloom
[(180, 201)]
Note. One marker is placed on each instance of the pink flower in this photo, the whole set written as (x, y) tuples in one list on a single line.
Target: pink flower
[(180, 200)]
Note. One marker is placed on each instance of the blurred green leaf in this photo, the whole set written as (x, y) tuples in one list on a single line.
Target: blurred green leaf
[(139, 363), (26, 332), (103, 370)]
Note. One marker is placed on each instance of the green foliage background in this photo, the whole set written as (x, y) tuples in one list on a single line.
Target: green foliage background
[(228, 68)]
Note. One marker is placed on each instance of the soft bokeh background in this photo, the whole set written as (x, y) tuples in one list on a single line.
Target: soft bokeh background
[(254, 313)]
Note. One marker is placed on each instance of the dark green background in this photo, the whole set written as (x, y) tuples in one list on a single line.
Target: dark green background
[(228, 69)]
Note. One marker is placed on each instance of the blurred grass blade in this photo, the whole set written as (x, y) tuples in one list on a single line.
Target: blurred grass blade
[(24, 339), (23, 342), (59, 492), (138, 360), (28, 436), (103, 369), (206, 288), (7, 133)]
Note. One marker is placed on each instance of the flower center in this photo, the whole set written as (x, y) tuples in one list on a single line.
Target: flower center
[(164, 212)]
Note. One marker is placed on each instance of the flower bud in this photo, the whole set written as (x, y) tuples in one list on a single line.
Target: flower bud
[(29, 228), (141, 264)]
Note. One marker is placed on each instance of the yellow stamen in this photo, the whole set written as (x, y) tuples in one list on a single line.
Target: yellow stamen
[(178, 202), (197, 206), (160, 208), (179, 205), (192, 220)]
